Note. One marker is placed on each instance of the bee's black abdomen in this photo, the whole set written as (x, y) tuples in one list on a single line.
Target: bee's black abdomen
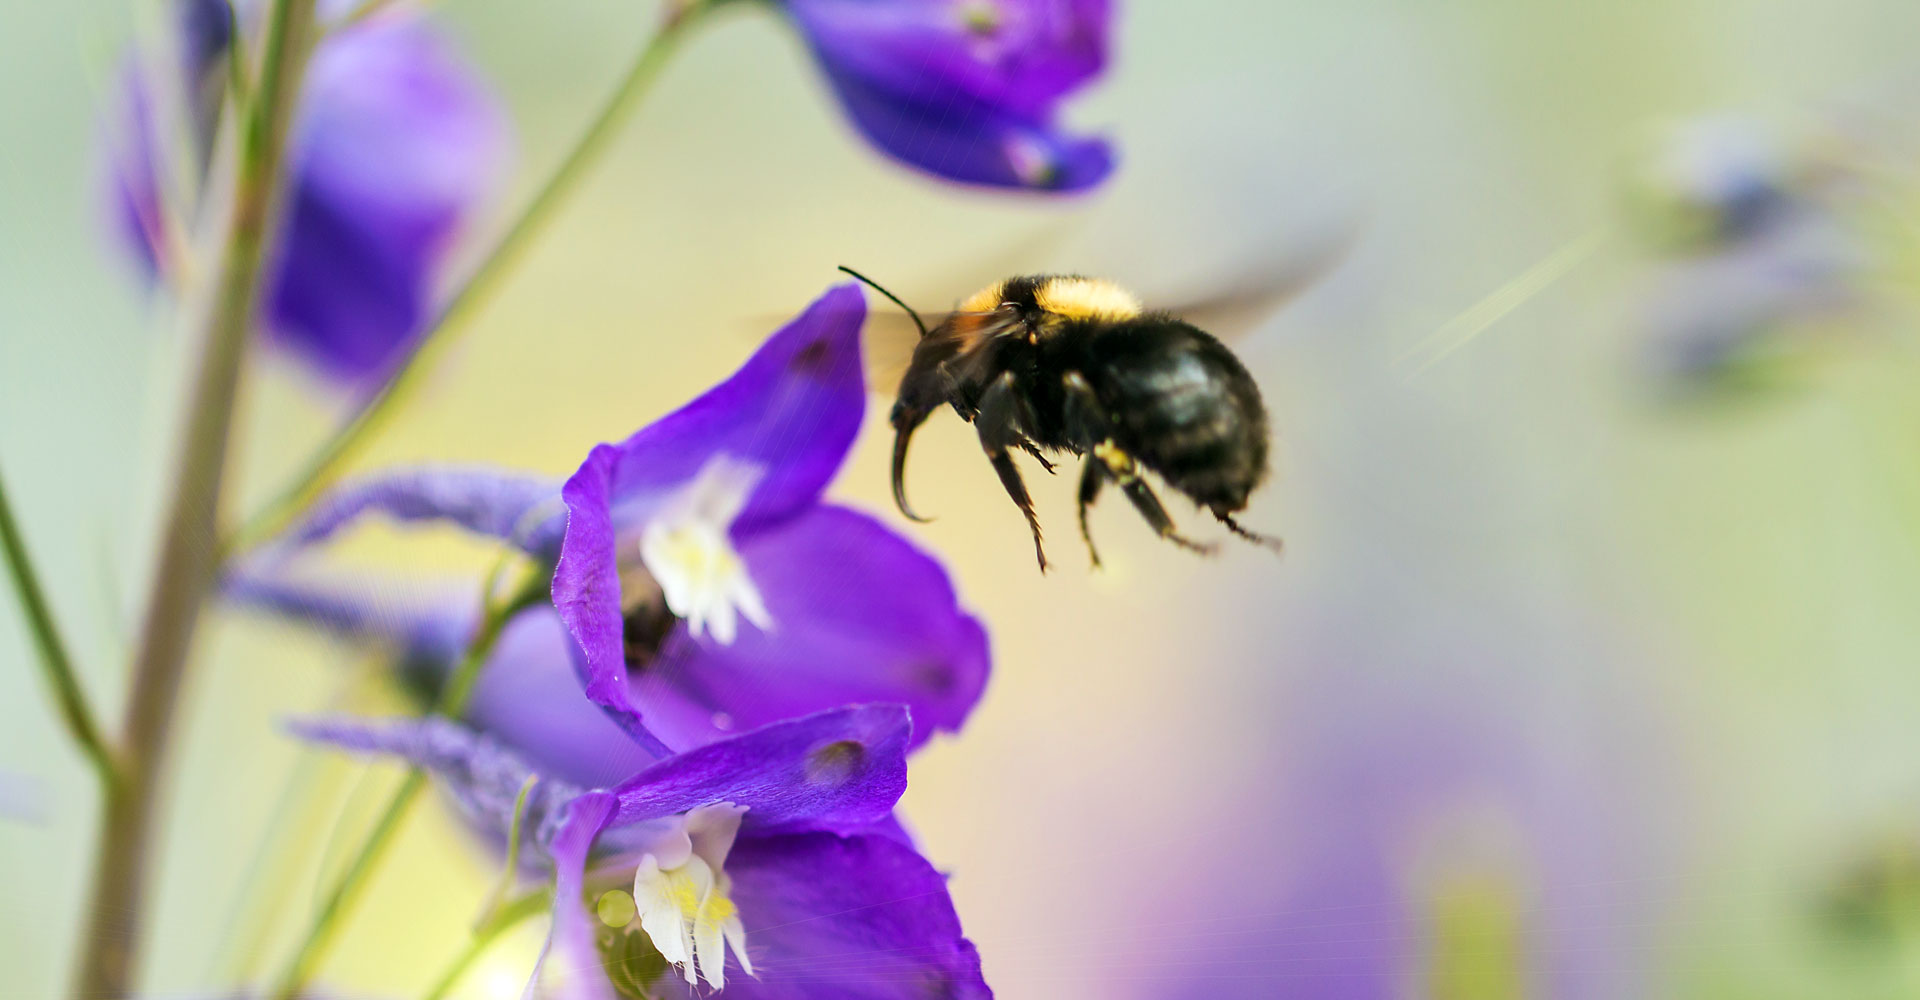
[(1182, 405)]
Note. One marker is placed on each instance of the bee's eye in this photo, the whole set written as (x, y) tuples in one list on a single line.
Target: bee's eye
[(1010, 304)]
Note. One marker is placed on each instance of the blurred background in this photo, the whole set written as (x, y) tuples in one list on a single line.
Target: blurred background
[(1591, 669)]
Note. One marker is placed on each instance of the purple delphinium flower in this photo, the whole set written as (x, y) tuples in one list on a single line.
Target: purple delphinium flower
[(397, 142), (707, 586), (967, 90), (1748, 245), (1424, 828), (772, 851)]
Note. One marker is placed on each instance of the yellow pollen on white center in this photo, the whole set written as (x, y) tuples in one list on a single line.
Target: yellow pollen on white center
[(688, 549), (686, 909)]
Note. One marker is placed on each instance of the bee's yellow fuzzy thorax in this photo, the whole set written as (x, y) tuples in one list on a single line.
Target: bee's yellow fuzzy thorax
[(1086, 298), (985, 300)]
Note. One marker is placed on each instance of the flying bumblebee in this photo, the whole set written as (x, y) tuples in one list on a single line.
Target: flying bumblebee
[(1052, 364)]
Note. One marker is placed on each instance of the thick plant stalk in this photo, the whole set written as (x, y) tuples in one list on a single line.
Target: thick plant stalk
[(188, 562)]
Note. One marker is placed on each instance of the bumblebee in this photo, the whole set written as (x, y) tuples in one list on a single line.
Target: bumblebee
[(1052, 364)]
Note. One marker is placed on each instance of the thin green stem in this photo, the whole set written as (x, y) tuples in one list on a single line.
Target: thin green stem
[(365, 9), (452, 320), (503, 919), (74, 708), (354, 879), (184, 573), (509, 870)]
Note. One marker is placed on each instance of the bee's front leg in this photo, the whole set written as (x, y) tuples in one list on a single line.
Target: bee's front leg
[(1000, 429)]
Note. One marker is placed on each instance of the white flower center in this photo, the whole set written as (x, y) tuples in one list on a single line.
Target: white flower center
[(688, 548), (681, 892)]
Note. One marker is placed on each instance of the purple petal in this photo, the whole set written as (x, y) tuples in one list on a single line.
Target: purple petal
[(858, 918), (427, 630), (484, 777), (860, 616), (527, 696), (968, 93), (1016, 55), (836, 770), (794, 408), (586, 587), (529, 699), (571, 939), (398, 142), (490, 502)]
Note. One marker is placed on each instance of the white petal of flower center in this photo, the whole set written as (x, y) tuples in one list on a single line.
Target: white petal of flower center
[(688, 549), (686, 909)]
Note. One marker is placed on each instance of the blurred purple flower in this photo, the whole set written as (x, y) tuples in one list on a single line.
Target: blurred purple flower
[(397, 143), (1711, 181), (707, 586), (773, 849), (1420, 830), (1748, 246), (967, 90), (1714, 315)]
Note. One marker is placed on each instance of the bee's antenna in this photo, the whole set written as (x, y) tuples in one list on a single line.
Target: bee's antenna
[(869, 282)]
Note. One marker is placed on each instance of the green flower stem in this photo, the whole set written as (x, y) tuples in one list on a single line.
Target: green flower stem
[(509, 872), (74, 709), (503, 919), (353, 881), (452, 320), (184, 573)]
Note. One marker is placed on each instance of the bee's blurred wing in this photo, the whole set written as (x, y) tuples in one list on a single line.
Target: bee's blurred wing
[(889, 339), (1240, 305)]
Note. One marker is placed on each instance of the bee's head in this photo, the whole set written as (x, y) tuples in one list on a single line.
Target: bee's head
[(1045, 302)]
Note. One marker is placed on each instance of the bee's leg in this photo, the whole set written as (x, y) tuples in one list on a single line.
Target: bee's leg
[(1093, 475), (1270, 541), (1030, 448), (1087, 421), (999, 429), (1149, 507)]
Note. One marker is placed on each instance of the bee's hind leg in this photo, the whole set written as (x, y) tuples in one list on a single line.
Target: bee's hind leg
[(1093, 475), (999, 427), (1268, 541), (1150, 508), (1087, 421)]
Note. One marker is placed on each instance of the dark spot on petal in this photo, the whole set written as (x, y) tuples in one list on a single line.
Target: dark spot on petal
[(937, 677), (835, 762), (644, 630), (813, 358)]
